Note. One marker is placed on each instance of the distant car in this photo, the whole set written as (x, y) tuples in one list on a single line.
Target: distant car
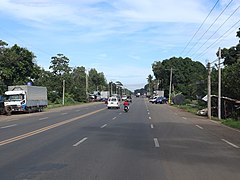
[(138, 95), (160, 100), (113, 102), (124, 97), (153, 99), (129, 98)]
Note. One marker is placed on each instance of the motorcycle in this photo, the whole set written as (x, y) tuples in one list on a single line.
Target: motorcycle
[(126, 108)]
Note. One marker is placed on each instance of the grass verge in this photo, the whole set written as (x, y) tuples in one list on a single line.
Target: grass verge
[(231, 123), (193, 109)]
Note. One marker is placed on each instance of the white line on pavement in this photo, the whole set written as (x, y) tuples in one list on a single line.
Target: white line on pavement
[(43, 118), (148, 112), (81, 141), (103, 126), (156, 142), (151, 126), (12, 125), (149, 118), (184, 118), (200, 127), (114, 118), (63, 113), (233, 145)]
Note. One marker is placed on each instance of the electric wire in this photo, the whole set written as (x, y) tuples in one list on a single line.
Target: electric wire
[(210, 27), (236, 23), (200, 27), (215, 31)]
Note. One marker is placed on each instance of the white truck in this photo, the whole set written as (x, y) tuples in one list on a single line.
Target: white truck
[(26, 98), (105, 94)]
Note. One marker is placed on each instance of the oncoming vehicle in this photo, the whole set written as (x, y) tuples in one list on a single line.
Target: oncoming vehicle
[(129, 98), (113, 102), (124, 97)]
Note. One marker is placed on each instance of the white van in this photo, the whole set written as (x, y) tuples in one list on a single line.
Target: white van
[(113, 102)]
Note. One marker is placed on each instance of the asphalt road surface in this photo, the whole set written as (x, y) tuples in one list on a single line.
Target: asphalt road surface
[(150, 142)]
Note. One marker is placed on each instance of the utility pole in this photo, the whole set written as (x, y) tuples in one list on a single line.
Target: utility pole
[(170, 86), (63, 93), (86, 85), (209, 91), (219, 84)]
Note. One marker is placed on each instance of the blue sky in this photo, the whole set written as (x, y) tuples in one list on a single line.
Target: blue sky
[(121, 38)]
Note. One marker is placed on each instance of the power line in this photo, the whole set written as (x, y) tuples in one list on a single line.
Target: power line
[(200, 26), (210, 26), (215, 31), (219, 38)]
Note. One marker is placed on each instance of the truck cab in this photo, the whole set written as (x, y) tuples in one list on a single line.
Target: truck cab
[(15, 99)]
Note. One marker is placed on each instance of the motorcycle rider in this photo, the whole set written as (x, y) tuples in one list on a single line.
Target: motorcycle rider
[(126, 104)]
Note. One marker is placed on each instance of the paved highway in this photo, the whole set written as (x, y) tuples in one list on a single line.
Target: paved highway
[(150, 142)]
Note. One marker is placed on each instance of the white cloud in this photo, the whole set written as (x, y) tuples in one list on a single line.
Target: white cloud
[(102, 33)]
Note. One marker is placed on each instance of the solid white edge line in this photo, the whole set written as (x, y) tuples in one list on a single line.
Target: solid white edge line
[(233, 145), (156, 142), (151, 126), (81, 141), (4, 127), (103, 126), (199, 127)]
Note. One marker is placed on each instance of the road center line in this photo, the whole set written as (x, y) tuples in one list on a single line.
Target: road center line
[(156, 142), (103, 126), (233, 145), (23, 136), (200, 127), (81, 141), (12, 125), (43, 118)]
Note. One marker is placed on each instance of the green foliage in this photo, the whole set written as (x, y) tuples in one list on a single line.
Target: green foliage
[(231, 81), (232, 55), (17, 65), (231, 123), (188, 76), (230, 73), (97, 80)]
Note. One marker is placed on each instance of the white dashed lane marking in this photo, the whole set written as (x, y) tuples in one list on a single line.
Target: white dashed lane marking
[(43, 118), (12, 125), (103, 126), (81, 141), (231, 144), (200, 127), (156, 143)]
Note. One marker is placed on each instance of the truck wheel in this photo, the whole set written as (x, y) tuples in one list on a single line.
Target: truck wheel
[(8, 110)]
